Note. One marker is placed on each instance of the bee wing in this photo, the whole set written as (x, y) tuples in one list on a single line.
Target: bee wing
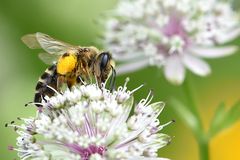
[(49, 44), (31, 41), (48, 58)]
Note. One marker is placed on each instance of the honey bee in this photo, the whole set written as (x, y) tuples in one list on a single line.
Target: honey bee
[(69, 65)]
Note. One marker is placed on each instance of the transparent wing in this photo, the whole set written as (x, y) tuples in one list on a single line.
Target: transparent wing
[(48, 58), (49, 44), (31, 41), (52, 45)]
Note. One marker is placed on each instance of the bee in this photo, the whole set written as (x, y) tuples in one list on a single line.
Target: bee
[(70, 65)]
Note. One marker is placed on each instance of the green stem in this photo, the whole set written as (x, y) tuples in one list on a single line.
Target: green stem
[(187, 88), (199, 134), (203, 148)]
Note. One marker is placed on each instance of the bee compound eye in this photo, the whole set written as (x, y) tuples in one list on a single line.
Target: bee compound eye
[(104, 60)]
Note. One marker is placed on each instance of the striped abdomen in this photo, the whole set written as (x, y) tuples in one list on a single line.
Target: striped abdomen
[(48, 78)]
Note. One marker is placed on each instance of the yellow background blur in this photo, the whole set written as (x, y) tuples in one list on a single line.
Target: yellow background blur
[(72, 21)]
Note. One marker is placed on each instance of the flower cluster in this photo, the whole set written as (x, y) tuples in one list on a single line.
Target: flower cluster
[(92, 123), (172, 34)]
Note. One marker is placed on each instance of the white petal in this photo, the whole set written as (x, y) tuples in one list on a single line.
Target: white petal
[(121, 119), (144, 121), (174, 70), (213, 52), (132, 66), (224, 38), (147, 158), (196, 65)]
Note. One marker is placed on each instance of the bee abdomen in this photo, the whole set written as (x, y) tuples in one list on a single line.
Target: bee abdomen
[(48, 78)]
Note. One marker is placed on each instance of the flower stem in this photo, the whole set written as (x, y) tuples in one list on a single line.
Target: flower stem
[(200, 135), (203, 148), (187, 88)]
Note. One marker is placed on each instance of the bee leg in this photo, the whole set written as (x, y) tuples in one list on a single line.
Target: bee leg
[(99, 81), (71, 82), (60, 81), (113, 79), (89, 78)]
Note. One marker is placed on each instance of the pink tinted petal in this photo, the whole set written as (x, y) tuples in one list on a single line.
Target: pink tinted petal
[(174, 70), (229, 36), (196, 65), (213, 52), (127, 57), (132, 66)]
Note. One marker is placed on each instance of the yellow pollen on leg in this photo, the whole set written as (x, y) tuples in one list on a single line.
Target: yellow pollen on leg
[(66, 64)]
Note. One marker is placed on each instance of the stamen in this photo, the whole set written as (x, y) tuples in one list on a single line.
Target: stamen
[(33, 103), (88, 126), (53, 89), (103, 85), (126, 82), (166, 124), (10, 148), (15, 127), (80, 78), (69, 122), (147, 100), (120, 89), (137, 89)]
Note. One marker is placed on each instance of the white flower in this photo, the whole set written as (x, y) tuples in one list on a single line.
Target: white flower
[(173, 34), (92, 123)]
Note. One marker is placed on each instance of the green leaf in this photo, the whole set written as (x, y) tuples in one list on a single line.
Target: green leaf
[(217, 120), (224, 119), (233, 115), (186, 115)]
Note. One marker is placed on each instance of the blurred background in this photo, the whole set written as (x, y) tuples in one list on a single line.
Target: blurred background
[(73, 21)]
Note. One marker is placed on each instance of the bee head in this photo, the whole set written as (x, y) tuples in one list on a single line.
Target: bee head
[(104, 60), (103, 66)]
